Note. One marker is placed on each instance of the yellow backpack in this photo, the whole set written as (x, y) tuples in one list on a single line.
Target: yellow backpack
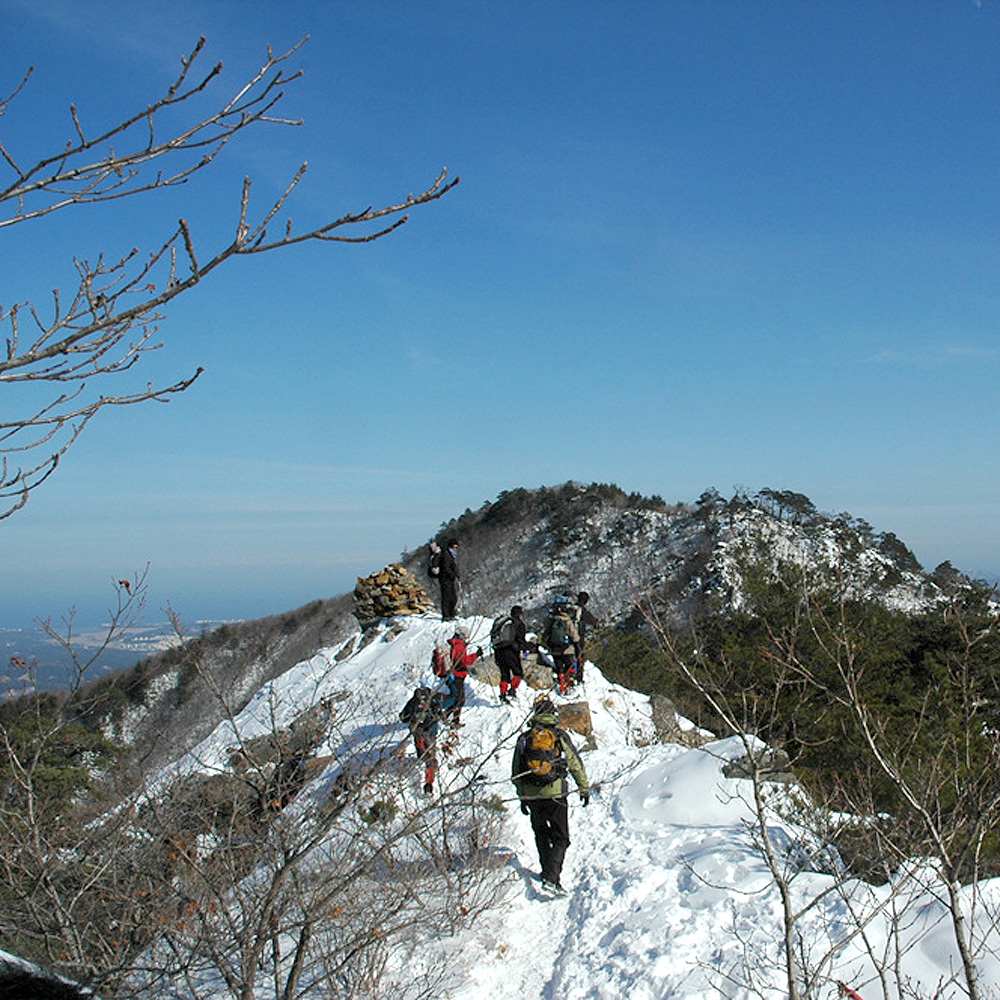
[(542, 755)]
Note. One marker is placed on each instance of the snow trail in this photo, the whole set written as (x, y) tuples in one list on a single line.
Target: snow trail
[(667, 895)]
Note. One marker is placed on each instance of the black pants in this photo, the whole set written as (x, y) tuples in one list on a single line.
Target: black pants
[(550, 824), (449, 597), (509, 661)]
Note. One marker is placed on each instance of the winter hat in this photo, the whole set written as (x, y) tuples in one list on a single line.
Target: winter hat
[(517, 611), (543, 705)]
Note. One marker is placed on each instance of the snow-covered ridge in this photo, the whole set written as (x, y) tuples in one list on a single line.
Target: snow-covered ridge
[(668, 893), (619, 548), (756, 538)]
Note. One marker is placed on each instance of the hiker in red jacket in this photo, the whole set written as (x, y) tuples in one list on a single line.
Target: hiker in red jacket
[(460, 659)]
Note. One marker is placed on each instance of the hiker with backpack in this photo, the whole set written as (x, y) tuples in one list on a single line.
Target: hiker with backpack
[(562, 639), (509, 639), (451, 663), (448, 578), (422, 713), (543, 757)]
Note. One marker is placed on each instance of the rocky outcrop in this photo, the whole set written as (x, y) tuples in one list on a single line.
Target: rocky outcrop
[(532, 544)]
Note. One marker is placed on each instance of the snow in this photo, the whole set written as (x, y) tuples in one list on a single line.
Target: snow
[(668, 893)]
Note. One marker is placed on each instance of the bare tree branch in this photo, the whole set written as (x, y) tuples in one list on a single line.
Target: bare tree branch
[(112, 318)]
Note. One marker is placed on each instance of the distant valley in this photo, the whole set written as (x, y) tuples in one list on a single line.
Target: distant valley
[(31, 645)]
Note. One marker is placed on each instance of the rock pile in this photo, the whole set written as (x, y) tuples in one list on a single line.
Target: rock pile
[(389, 592)]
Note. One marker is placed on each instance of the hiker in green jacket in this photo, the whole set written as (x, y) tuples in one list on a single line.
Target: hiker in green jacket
[(543, 758)]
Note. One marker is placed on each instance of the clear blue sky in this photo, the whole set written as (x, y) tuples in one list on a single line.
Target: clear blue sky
[(695, 244)]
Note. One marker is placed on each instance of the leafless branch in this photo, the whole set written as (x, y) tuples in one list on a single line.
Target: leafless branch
[(111, 320)]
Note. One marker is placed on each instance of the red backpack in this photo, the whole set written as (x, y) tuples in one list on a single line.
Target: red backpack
[(441, 660)]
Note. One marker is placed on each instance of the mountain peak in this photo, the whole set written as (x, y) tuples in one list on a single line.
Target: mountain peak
[(530, 544)]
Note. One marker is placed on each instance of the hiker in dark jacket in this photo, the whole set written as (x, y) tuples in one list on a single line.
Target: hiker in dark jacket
[(448, 578), (508, 655), (586, 622), (562, 639), (544, 796), (422, 713)]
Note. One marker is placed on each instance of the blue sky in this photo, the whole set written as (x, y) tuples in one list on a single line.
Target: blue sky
[(696, 244)]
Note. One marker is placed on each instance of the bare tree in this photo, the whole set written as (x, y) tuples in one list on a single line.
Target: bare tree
[(924, 789), (947, 801), (53, 773), (302, 862), (744, 712), (110, 320), (315, 862), (814, 932)]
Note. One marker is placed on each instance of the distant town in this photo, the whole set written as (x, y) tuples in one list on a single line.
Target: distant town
[(53, 666)]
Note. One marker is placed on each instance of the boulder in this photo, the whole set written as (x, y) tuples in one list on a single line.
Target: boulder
[(668, 727), (770, 765), (575, 718)]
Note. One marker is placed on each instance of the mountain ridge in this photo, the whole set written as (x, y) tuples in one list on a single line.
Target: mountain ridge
[(668, 888), (275, 745), (523, 548), (528, 545)]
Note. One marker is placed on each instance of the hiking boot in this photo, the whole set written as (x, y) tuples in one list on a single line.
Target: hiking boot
[(553, 886), (428, 789), (505, 699)]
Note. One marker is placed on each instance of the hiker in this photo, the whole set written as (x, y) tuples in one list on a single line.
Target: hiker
[(448, 578), (422, 713), (562, 639), (586, 622), (451, 663), (508, 637), (542, 758)]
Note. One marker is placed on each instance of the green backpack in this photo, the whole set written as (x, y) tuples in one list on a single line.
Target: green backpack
[(562, 630)]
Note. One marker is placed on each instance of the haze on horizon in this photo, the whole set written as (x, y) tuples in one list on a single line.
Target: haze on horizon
[(695, 245)]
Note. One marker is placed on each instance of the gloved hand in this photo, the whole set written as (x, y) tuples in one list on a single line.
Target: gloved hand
[(525, 809), (584, 799), (479, 651)]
